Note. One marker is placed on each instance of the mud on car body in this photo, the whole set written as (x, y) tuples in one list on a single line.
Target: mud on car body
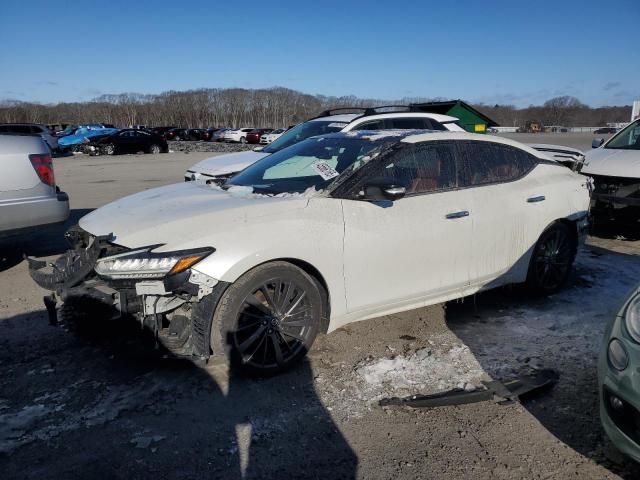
[(334, 229)]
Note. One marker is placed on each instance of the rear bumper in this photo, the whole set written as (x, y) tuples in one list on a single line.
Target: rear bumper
[(27, 214)]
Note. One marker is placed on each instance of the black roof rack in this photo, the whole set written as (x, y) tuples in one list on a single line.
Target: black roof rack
[(339, 111), (404, 108), (366, 111)]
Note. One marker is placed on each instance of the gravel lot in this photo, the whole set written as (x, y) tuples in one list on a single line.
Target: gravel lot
[(110, 406)]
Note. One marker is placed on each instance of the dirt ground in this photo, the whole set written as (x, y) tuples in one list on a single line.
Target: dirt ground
[(110, 406)]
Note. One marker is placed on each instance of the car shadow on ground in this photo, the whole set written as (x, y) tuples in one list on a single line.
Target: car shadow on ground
[(46, 241), (108, 404), (498, 328)]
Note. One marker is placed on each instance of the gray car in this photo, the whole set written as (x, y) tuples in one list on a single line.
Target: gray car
[(25, 128), (29, 197)]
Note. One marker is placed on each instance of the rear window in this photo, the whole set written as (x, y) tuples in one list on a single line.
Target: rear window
[(15, 128)]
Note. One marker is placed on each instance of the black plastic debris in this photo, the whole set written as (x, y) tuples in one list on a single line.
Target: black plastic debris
[(503, 393)]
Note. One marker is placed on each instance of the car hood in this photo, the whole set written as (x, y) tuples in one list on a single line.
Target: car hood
[(612, 162), (183, 215), (227, 164)]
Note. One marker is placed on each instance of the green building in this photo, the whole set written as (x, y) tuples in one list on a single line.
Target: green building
[(470, 119)]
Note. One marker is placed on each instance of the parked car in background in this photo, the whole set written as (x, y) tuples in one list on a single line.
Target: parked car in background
[(73, 129), (82, 136), (29, 197), (218, 169), (218, 135), (198, 271), (35, 128), (254, 135), (619, 387), (176, 134), (195, 134), (567, 156), (128, 141), (160, 130), (614, 166), (605, 130), (238, 135), (267, 138)]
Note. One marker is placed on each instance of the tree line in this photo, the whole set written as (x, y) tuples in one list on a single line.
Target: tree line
[(272, 107)]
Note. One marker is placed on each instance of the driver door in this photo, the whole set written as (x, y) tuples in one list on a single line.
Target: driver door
[(415, 249)]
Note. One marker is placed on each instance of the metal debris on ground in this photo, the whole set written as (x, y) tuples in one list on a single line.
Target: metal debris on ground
[(502, 393)]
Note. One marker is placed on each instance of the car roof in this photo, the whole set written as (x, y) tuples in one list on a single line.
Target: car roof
[(350, 117), (417, 136)]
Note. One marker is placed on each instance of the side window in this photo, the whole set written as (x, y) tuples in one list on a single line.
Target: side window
[(408, 123), (422, 168), (375, 125), (434, 125), (485, 162)]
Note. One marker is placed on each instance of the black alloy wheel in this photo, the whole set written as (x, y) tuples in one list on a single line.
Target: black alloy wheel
[(270, 317)]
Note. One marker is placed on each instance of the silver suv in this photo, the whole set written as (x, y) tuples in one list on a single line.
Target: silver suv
[(32, 128), (29, 197)]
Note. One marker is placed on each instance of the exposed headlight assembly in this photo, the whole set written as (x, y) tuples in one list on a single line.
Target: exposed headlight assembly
[(632, 318), (144, 263)]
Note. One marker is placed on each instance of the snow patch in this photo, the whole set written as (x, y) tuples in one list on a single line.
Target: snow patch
[(425, 370)]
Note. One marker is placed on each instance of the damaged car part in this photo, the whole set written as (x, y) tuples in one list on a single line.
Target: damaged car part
[(499, 392)]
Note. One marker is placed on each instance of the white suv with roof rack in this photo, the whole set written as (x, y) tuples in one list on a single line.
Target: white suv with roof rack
[(217, 169)]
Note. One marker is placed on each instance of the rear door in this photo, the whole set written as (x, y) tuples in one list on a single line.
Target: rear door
[(415, 248), (507, 202)]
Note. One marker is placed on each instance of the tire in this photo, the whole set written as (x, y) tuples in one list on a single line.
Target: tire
[(155, 149), (552, 259), (269, 318), (177, 138), (243, 140), (109, 149)]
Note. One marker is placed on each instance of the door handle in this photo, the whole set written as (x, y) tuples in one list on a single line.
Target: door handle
[(461, 214), (537, 198)]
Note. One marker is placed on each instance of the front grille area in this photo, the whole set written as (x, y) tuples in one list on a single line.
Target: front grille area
[(626, 418)]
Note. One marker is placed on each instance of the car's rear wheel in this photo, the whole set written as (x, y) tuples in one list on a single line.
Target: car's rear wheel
[(155, 149), (177, 138), (552, 259), (269, 318), (243, 140)]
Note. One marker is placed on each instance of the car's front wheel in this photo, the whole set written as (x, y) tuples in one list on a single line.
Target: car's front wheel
[(552, 259), (269, 318)]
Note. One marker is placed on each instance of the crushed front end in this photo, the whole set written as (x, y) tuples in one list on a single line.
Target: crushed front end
[(159, 289), (616, 199)]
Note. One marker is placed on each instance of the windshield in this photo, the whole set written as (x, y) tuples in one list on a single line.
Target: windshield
[(316, 162), (628, 138), (303, 131)]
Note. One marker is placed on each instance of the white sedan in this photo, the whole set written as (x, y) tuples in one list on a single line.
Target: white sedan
[(239, 135), (267, 138), (334, 229)]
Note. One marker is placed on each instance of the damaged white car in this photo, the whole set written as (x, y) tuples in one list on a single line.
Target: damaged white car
[(334, 229), (615, 168)]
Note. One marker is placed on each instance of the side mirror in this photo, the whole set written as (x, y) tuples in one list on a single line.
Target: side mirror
[(387, 191), (597, 142), (258, 149)]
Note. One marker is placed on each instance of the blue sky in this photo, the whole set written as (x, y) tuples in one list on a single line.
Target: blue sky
[(484, 51)]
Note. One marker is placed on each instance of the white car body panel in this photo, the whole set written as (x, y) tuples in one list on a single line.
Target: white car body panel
[(407, 241), (374, 260), (612, 162), (224, 164), (220, 166)]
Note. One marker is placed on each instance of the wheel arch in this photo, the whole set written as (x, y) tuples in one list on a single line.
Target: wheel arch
[(306, 267)]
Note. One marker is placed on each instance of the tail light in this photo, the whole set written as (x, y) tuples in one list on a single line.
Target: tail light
[(43, 166)]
